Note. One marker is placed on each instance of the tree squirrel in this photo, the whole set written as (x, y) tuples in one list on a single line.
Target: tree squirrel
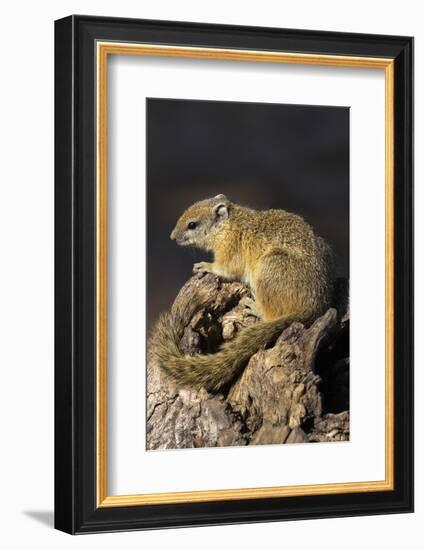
[(276, 253)]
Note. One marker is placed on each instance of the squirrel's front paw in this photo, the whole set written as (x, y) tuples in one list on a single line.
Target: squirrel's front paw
[(202, 267)]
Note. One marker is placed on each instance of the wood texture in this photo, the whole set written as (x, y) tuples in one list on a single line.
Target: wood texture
[(295, 391)]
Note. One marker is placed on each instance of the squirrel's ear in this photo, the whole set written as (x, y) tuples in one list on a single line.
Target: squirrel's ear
[(221, 211), (220, 197)]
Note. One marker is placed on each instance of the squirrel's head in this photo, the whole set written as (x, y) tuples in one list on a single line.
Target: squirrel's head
[(200, 222)]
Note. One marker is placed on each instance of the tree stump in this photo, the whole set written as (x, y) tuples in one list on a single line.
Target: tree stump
[(294, 391)]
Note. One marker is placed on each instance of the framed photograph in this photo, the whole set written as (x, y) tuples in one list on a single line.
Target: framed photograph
[(234, 268)]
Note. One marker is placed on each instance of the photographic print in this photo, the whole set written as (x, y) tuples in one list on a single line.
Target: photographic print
[(213, 191), (247, 273)]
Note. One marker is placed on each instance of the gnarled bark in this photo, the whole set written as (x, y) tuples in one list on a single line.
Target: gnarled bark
[(294, 391)]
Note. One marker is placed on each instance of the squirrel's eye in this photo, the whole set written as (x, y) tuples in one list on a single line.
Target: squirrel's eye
[(192, 225)]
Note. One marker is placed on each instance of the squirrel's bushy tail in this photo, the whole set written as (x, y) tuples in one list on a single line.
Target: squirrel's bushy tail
[(210, 371)]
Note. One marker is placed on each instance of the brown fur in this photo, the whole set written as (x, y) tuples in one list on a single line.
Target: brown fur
[(276, 253)]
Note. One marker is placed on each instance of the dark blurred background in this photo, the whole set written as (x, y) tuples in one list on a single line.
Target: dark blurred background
[(261, 155)]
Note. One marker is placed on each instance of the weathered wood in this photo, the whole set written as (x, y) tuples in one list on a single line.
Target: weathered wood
[(279, 396)]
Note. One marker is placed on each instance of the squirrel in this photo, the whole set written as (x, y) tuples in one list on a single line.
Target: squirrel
[(276, 253)]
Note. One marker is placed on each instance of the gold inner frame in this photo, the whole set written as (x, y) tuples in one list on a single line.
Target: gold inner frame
[(104, 49)]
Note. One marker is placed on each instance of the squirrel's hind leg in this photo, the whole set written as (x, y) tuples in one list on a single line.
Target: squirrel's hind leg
[(251, 307), (278, 287)]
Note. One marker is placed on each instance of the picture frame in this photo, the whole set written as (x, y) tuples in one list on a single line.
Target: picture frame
[(83, 45)]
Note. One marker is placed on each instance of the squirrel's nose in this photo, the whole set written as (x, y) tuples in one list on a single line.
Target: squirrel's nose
[(172, 235)]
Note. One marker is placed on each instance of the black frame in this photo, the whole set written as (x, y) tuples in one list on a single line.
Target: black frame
[(75, 275)]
